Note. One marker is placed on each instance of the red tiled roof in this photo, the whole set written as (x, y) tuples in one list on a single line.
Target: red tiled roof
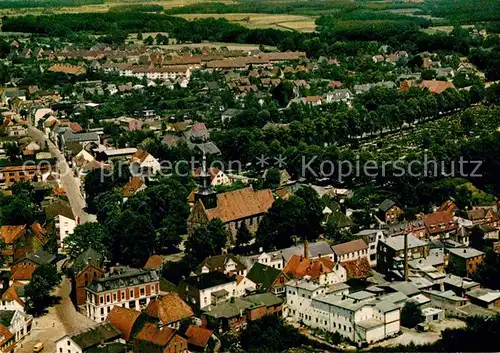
[(169, 308), (312, 99), (22, 273), (11, 293), (5, 334), (239, 204), (434, 86), (134, 184), (298, 267), (438, 222), (11, 233), (39, 232), (123, 319), (349, 247), (198, 127), (447, 206), (335, 84), (359, 268), (151, 333), (154, 262), (198, 336), (139, 156)]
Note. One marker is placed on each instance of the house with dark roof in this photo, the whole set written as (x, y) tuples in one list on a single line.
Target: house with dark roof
[(168, 310), (225, 263), (234, 315), (153, 339), (388, 212), (84, 340), (127, 287), (230, 114), (87, 266), (390, 253), (207, 288), (315, 250), (23, 269), (267, 279)]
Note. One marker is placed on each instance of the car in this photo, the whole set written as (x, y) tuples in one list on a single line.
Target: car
[(38, 347)]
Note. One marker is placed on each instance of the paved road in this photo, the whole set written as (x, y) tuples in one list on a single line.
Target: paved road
[(60, 320), (68, 180)]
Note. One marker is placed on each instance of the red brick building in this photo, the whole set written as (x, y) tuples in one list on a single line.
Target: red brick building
[(86, 267)]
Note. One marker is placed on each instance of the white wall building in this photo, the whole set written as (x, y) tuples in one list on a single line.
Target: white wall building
[(371, 238), (271, 259)]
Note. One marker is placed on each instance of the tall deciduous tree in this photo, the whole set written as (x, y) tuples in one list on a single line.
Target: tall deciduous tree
[(207, 241), (91, 234)]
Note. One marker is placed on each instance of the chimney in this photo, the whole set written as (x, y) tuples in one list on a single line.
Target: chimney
[(306, 249), (261, 249), (406, 257), (465, 251), (319, 255)]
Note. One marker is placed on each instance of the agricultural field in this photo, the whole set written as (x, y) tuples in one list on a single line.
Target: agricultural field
[(255, 20)]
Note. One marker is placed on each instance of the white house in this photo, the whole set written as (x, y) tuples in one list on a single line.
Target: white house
[(19, 323), (86, 339), (64, 220), (244, 286), (208, 289), (272, 259), (142, 163), (352, 250), (226, 263), (371, 238), (217, 176)]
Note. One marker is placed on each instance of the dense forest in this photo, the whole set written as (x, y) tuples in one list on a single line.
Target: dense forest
[(16, 4)]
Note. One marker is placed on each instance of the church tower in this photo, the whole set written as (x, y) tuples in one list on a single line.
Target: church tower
[(205, 192)]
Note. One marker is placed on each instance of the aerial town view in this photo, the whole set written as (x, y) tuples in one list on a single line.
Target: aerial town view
[(258, 176)]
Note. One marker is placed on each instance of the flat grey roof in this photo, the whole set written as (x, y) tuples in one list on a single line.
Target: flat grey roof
[(397, 242), (466, 253)]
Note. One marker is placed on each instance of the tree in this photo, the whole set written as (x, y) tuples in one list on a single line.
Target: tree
[(411, 315), (90, 234), (37, 291), (243, 235), (18, 210), (272, 179), (207, 241), (270, 334), (139, 36), (149, 40), (12, 150), (283, 93)]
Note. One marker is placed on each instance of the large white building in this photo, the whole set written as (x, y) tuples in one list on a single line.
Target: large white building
[(357, 317)]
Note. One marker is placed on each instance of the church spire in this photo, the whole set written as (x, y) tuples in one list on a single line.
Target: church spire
[(205, 192)]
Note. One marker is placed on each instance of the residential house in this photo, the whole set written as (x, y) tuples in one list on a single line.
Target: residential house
[(142, 163), (340, 95), (60, 212), (115, 153), (7, 340), (272, 259), (389, 212), (464, 261), (154, 339), (18, 322), (126, 287), (10, 174), (371, 238), (234, 315), (169, 310), (233, 208), (363, 88), (416, 227), (207, 288), (18, 243), (82, 341), (13, 298), (230, 114), (439, 225), (23, 269), (267, 279), (433, 86), (127, 321), (198, 338), (89, 265), (217, 176), (353, 256), (134, 185), (322, 269), (197, 133), (483, 215), (226, 263), (390, 253)]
